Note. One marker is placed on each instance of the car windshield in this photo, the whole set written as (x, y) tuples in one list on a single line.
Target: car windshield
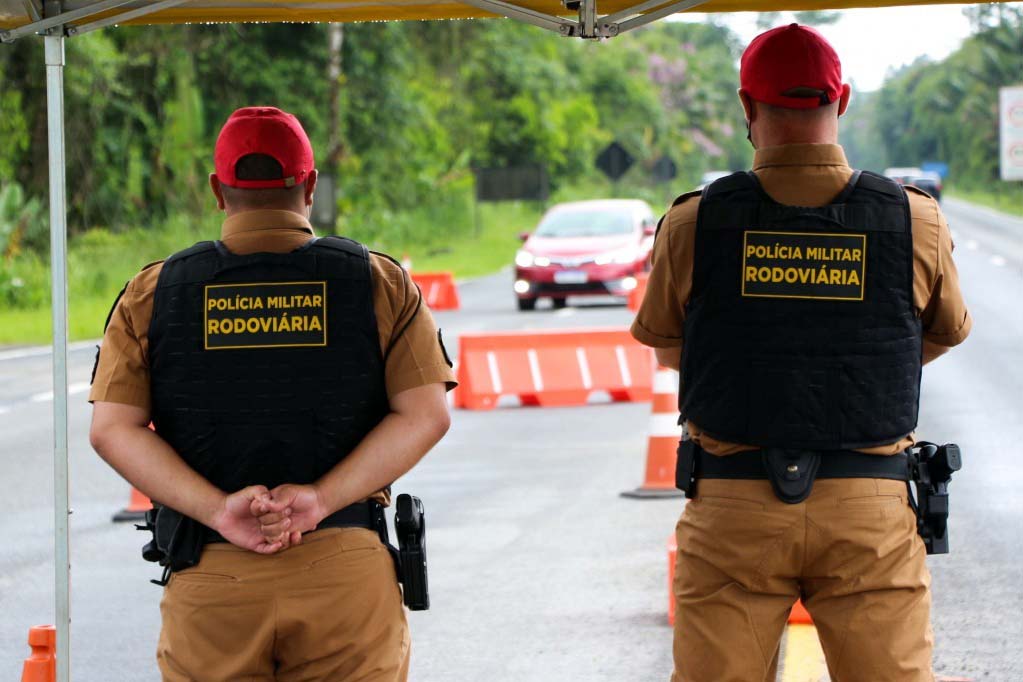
[(590, 222)]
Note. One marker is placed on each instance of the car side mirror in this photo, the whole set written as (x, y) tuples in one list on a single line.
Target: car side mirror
[(523, 236), (649, 228)]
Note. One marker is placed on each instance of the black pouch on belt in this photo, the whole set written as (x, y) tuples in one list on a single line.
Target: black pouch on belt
[(791, 472)]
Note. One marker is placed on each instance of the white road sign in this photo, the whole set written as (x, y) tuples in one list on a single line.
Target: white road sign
[(1012, 132)]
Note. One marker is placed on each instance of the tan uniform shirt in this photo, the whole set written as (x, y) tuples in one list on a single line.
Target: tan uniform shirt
[(802, 175), (416, 358)]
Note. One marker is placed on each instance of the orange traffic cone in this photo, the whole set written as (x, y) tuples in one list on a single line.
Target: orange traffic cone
[(138, 505), (41, 666), (672, 551), (799, 614), (665, 432)]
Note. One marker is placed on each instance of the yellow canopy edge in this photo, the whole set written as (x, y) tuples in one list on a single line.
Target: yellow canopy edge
[(13, 13)]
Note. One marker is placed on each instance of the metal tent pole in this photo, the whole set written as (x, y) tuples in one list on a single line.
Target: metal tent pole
[(54, 45)]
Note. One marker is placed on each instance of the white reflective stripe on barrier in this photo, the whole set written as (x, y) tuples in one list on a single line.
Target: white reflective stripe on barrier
[(534, 369), (623, 366), (584, 367), (665, 426), (431, 298), (495, 374), (665, 381)]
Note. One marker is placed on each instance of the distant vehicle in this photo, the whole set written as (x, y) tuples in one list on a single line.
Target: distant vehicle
[(585, 248), (928, 181), (711, 176)]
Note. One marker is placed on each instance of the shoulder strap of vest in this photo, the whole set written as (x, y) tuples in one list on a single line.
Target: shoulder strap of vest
[(194, 249), (681, 199), (349, 246), (730, 183), (850, 187), (873, 182)]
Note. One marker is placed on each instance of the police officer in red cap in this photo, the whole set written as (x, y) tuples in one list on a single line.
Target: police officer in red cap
[(800, 301), (289, 380)]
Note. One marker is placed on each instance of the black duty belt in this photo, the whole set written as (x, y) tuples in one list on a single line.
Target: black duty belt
[(833, 464), (358, 515), (791, 472)]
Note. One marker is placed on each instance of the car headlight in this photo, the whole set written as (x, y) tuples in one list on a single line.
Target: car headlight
[(524, 259), (621, 257)]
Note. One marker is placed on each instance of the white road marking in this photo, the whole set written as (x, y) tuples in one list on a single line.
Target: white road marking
[(38, 351), (534, 369), (72, 389), (565, 312), (997, 261)]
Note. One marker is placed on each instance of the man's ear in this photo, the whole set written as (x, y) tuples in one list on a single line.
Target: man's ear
[(310, 187), (843, 99), (217, 191), (747, 104)]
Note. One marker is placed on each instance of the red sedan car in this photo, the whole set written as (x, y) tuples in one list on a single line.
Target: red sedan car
[(585, 248)]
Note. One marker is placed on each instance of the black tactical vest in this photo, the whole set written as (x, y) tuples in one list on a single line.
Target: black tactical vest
[(266, 368), (801, 330)]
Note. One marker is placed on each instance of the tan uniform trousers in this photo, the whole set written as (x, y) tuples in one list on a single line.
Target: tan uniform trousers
[(328, 610), (851, 551)]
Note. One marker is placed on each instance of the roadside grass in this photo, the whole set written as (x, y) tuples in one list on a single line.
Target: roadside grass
[(101, 261), (1009, 200)]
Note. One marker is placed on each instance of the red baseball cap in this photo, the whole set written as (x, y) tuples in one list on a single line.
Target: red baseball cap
[(793, 67), (263, 130)]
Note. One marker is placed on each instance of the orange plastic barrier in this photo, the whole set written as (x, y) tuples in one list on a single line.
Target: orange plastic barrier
[(41, 666), (438, 289), (637, 294), (659, 480), (551, 368)]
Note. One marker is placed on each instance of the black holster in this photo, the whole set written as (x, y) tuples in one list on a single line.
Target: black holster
[(177, 541), (410, 527), (931, 468)]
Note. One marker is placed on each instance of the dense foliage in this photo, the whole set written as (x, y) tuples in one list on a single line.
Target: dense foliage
[(945, 111), (421, 103)]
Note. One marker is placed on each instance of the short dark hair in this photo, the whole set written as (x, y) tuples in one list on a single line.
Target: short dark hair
[(260, 167)]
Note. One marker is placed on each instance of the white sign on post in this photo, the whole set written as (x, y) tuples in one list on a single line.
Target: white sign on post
[(1012, 132)]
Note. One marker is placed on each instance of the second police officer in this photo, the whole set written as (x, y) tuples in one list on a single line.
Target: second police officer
[(800, 301)]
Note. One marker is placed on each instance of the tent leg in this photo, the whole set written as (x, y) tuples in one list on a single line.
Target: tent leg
[(54, 45)]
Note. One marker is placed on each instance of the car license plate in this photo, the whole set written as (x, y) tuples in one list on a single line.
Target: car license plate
[(570, 277)]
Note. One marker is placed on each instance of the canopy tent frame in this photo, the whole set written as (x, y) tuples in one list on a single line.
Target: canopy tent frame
[(590, 24)]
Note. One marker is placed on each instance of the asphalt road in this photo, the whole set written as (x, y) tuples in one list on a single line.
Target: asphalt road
[(538, 569)]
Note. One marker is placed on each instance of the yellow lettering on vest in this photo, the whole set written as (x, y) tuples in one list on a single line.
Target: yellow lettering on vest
[(836, 277), (750, 250), (751, 274), (314, 324), (284, 325), (857, 255), (212, 326), (252, 325), (317, 301), (791, 275), (764, 274), (854, 278)]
